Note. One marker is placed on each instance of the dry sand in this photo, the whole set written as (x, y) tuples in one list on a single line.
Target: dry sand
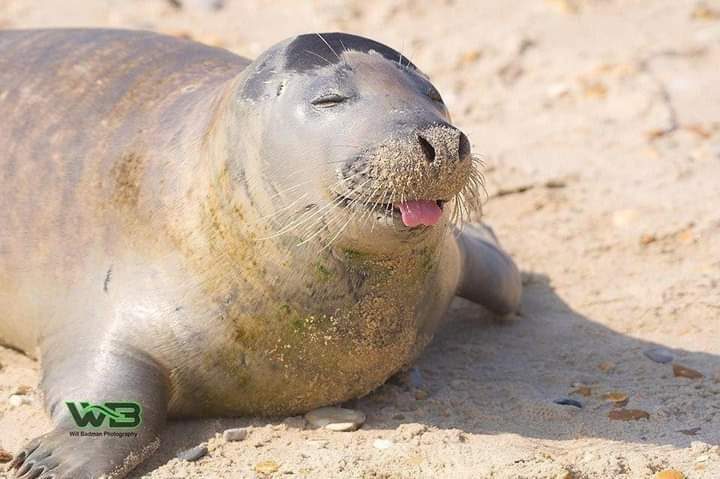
[(600, 122)]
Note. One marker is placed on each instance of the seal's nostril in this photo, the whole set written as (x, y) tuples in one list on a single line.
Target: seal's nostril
[(464, 148), (427, 149)]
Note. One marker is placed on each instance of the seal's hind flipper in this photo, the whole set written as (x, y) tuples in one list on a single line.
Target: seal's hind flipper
[(108, 406), (490, 277)]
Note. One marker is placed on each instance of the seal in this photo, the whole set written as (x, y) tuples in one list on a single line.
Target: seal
[(189, 233)]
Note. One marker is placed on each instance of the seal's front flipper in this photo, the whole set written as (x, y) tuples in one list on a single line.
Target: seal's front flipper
[(108, 406), (490, 277)]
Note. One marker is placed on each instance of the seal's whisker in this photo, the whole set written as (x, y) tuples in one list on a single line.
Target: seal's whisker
[(328, 45), (381, 204), (282, 209), (304, 219), (345, 179), (319, 56), (333, 219), (319, 230), (339, 232), (286, 207), (367, 213), (291, 188), (347, 146), (299, 184), (307, 216), (337, 235)]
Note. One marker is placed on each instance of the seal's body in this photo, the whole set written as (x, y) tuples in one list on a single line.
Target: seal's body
[(204, 235)]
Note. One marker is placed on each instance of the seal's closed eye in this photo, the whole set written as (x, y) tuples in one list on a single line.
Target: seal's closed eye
[(329, 100)]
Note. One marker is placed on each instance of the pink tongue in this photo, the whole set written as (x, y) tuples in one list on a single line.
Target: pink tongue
[(420, 212)]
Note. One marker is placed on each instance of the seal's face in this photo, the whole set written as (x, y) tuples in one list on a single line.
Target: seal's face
[(367, 129)]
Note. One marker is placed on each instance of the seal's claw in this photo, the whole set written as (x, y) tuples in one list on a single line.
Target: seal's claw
[(21, 458), (36, 460), (50, 456)]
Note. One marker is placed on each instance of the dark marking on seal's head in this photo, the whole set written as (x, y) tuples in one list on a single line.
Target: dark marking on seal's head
[(305, 53), (316, 50)]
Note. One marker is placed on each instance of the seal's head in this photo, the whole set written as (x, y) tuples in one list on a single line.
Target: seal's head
[(356, 137)]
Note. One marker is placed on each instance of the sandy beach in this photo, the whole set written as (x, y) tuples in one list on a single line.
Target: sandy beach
[(599, 123)]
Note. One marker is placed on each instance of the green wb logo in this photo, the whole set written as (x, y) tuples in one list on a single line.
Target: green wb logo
[(126, 414)]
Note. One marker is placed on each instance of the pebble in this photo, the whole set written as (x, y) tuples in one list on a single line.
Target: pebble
[(690, 432), (383, 444), (582, 390), (628, 414), (557, 90), (659, 355), (23, 390), (208, 5), (619, 398), (421, 394), (236, 434), (267, 467), (336, 418), (704, 12), (193, 454), (606, 366), (470, 56), (5, 456), (646, 239), (455, 436), (595, 89), (568, 402), (681, 371), (570, 7), (406, 432), (16, 400), (669, 474)]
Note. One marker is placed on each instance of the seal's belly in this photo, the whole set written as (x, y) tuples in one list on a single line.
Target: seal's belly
[(340, 342)]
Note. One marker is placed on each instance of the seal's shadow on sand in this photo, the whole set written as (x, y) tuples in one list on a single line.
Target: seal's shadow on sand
[(493, 377)]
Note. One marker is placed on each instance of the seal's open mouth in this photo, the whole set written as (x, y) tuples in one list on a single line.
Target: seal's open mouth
[(420, 212), (413, 213)]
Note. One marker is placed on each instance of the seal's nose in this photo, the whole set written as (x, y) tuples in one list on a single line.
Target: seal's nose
[(464, 148), (427, 148), (446, 142)]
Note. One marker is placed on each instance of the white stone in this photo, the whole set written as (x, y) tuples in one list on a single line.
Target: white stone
[(383, 444), (236, 434), (18, 400), (335, 418)]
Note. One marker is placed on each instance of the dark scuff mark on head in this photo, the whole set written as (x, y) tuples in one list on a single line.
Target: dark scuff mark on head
[(316, 50), (256, 83)]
